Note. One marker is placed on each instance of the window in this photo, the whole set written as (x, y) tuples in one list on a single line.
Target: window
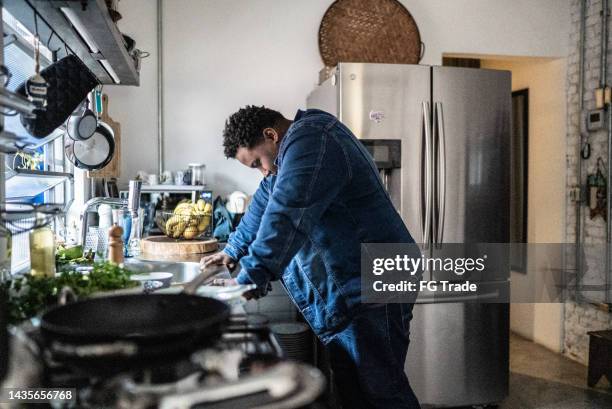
[(39, 155)]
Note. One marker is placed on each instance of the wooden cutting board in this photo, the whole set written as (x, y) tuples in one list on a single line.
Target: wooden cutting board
[(113, 169), (165, 246)]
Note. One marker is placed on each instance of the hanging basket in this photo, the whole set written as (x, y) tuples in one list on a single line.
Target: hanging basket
[(380, 31)]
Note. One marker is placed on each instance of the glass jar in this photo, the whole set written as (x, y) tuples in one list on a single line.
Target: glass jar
[(198, 174), (42, 250)]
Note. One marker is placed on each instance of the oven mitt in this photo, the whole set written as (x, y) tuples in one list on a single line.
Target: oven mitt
[(69, 83)]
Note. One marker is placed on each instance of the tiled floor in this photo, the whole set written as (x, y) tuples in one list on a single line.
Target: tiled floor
[(541, 379)]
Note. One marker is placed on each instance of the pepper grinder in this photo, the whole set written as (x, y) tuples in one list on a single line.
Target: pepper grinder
[(115, 244)]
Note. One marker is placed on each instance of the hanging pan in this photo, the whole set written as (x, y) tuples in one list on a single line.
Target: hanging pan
[(93, 153)]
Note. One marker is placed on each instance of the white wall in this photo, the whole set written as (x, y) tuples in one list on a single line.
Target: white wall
[(545, 79), (223, 54)]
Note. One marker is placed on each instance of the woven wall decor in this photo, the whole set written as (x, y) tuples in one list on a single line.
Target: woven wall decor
[(377, 31)]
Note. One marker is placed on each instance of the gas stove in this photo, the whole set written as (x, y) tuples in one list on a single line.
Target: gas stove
[(246, 368)]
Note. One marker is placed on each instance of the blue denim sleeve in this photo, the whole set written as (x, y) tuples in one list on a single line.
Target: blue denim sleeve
[(239, 241), (314, 169)]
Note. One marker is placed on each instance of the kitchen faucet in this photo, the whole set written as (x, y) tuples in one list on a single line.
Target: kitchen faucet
[(93, 204), (132, 203)]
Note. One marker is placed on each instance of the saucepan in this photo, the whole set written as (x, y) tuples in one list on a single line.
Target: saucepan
[(108, 335)]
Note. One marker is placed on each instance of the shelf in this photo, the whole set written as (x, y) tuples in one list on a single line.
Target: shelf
[(173, 188), (31, 143), (24, 184), (90, 34), (11, 143)]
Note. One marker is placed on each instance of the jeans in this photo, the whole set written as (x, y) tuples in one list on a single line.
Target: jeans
[(367, 359)]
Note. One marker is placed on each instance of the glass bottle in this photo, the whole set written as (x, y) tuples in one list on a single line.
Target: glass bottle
[(135, 233), (6, 248), (42, 250), (123, 218)]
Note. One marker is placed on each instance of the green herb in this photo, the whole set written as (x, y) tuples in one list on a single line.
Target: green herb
[(71, 256), (28, 296)]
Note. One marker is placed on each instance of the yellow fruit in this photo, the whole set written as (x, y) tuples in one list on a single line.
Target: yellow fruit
[(171, 223), (179, 229), (182, 207), (208, 209), (201, 204), (190, 232), (204, 222), (193, 221)]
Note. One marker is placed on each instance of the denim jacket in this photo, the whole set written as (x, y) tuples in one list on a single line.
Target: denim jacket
[(305, 225)]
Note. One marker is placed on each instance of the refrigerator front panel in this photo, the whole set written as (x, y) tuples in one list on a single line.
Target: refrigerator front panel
[(458, 354), (471, 127), (392, 101)]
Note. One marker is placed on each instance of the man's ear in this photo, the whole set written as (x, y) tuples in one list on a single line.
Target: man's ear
[(271, 135)]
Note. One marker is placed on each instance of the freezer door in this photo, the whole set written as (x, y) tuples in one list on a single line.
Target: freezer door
[(471, 127), (392, 101), (458, 354)]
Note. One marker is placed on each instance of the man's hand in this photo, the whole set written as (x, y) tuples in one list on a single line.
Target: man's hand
[(218, 259)]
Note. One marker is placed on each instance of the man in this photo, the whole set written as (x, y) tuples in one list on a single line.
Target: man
[(321, 197)]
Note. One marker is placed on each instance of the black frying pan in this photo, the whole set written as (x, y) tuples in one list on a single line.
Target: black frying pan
[(112, 334)]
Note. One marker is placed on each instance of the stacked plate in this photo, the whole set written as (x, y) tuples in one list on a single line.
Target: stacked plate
[(296, 340)]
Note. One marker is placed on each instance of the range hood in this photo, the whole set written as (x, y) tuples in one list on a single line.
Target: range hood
[(85, 28)]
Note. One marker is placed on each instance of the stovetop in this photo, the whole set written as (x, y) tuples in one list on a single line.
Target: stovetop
[(246, 365)]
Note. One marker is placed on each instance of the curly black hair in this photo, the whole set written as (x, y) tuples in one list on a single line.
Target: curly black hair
[(245, 128)]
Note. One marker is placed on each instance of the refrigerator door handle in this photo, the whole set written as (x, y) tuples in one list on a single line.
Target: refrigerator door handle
[(426, 179), (441, 173)]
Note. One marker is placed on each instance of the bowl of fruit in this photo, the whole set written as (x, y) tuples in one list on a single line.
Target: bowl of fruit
[(188, 220)]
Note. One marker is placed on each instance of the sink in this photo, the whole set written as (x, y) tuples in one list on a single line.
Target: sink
[(182, 271), (185, 271)]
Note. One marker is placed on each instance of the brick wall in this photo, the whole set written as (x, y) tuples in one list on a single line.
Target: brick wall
[(580, 318)]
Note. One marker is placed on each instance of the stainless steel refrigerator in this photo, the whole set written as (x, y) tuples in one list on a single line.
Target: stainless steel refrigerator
[(440, 137)]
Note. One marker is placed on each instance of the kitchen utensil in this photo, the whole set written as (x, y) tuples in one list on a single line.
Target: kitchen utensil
[(365, 31), (162, 246), (105, 216), (93, 153), (296, 340), (129, 43), (225, 293), (115, 245), (166, 177), (114, 13), (108, 335), (164, 278), (134, 189), (82, 124), (191, 226), (283, 386), (153, 179), (179, 177), (69, 83)]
